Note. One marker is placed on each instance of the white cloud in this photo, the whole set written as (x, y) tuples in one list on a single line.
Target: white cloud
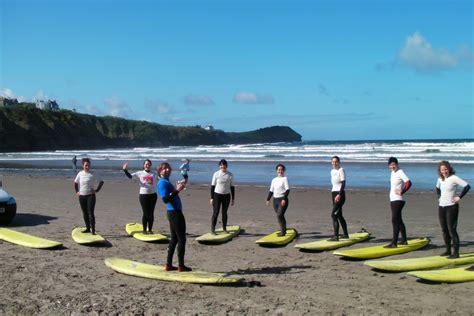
[(40, 95), (163, 108), (419, 54), (252, 98), (160, 106), (9, 94), (198, 100), (118, 107), (92, 109)]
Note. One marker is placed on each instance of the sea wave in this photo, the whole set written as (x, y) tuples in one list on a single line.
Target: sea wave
[(461, 152)]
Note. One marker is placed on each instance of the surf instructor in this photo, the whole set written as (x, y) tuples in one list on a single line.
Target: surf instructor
[(170, 196)]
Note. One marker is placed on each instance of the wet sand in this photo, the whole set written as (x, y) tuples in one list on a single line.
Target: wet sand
[(75, 280)]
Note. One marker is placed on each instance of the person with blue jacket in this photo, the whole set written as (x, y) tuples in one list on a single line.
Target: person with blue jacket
[(170, 196)]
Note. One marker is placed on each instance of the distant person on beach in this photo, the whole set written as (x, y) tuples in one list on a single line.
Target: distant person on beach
[(448, 209), (184, 168), (399, 185), (222, 194), (338, 197), (147, 181), (280, 189), (74, 164), (170, 196), (84, 187)]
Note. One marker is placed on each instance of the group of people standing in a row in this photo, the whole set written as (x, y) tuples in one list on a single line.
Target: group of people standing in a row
[(223, 195)]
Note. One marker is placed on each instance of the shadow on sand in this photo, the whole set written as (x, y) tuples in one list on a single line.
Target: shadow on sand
[(25, 219)]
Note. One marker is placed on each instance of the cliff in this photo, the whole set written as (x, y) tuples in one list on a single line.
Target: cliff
[(25, 128)]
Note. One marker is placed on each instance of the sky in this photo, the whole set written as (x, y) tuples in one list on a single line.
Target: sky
[(329, 69)]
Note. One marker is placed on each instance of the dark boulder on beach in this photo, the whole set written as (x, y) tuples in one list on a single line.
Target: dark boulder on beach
[(25, 128)]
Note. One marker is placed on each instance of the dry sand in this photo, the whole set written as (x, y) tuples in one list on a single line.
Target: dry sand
[(75, 280)]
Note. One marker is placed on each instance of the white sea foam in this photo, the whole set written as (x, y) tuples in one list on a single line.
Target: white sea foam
[(460, 152)]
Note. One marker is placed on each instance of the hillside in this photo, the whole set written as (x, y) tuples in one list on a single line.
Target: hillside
[(25, 128)]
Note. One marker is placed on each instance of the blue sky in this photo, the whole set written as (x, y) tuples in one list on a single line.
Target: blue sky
[(332, 70)]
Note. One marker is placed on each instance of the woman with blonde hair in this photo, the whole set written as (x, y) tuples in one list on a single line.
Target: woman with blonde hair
[(448, 210)]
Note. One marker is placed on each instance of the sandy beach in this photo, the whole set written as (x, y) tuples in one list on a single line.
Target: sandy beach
[(75, 280)]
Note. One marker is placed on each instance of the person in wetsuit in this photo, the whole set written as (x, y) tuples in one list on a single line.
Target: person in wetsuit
[(170, 196), (338, 197), (84, 188), (399, 185), (222, 194), (448, 209), (147, 180), (279, 189)]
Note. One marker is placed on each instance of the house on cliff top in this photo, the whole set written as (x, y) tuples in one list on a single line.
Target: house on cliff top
[(47, 105)]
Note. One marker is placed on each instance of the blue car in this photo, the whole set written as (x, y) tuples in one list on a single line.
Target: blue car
[(7, 207)]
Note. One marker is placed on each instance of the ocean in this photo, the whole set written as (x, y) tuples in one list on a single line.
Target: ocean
[(307, 163)]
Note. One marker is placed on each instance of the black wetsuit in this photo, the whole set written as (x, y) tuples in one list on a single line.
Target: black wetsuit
[(397, 221), (448, 219), (148, 203), (336, 213), (280, 210), (170, 197), (87, 203), (220, 201), (178, 236), (396, 205)]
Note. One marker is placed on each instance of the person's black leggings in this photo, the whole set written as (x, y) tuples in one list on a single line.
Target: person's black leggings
[(87, 203), (280, 212), (448, 218), (148, 202), (218, 201), (397, 221), (336, 214), (178, 236)]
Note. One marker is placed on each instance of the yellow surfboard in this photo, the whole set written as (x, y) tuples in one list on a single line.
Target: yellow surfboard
[(381, 251), (85, 238), (274, 240), (425, 263), (220, 236), (150, 271), (326, 244), (26, 240), (136, 230), (454, 275)]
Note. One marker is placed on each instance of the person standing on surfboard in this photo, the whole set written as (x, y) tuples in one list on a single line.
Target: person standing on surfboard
[(338, 197), (170, 196), (84, 187), (222, 194), (279, 189), (399, 184), (448, 210), (147, 196)]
